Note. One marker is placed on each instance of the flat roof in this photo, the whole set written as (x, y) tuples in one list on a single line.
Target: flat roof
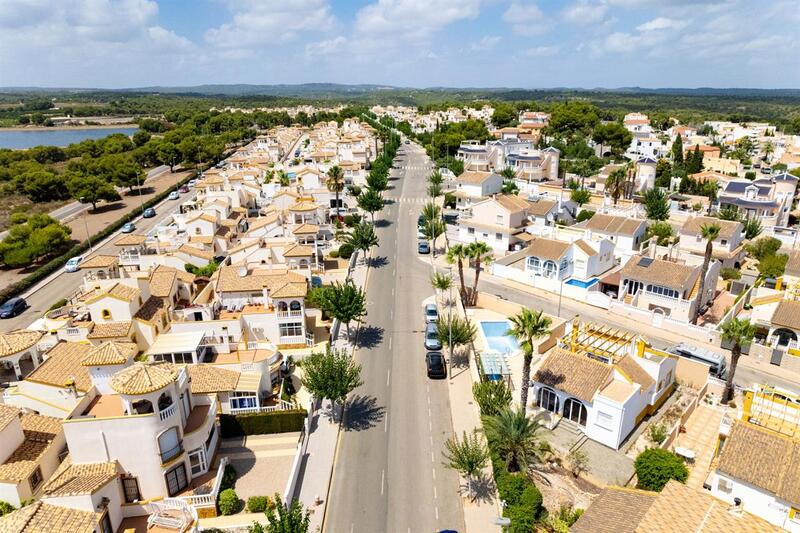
[(186, 341)]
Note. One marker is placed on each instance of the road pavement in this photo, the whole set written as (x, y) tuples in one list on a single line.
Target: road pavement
[(388, 474), (64, 285)]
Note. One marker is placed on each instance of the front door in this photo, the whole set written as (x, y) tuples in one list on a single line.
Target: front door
[(575, 411), (548, 400)]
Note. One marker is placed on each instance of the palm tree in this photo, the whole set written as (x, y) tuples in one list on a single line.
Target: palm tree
[(283, 178), (456, 254), (513, 435), (363, 237), (431, 211), (479, 252), (738, 332), (709, 232), (615, 183), (468, 456), (769, 148), (441, 282), (527, 326), (336, 183), (370, 201)]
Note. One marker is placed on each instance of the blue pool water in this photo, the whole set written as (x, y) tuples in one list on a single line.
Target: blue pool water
[(496, 338), (580, 283), (19, 139)]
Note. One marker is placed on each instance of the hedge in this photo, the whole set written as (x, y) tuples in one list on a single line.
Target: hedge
[(655, 467), (262, 423), (57, 263)]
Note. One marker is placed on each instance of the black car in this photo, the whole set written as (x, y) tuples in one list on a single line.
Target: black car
[(434, 361), (13, 307)]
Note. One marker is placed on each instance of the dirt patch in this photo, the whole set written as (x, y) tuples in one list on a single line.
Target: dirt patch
[(336, 263), (560, 488), (19, 203)]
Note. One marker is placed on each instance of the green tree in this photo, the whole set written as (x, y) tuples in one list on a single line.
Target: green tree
[(331, 375), (738, 332), (433, 229), (585, 214), (370, 201), (709, 232), (454, 331), (287, 517), (662, 231), (32, 238), (677, 152), (363, 237), (343, 301), (527, 326), (457, 253), (663, 173), (772, 266), (763, 247), (655, 467), (694, 161), (504, 115), (378, 181), (91, 189), (434, 190), (514, 436), (656, 206), (729, 213), (616, 182), (508, 173), (580, 196), (168, 154), (335, 183), (431, 211), (492, 396), (614, 135), (481, 254), (43, 186), (140, 138), (467, 456), (441, 282), (509, 187)]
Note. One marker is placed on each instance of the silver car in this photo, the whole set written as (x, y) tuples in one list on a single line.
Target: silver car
[(432, 337), (431, 314)]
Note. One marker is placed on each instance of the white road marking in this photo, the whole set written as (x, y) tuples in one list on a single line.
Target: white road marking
[(433, 458), (392, 291), (430, 425), (352, 526), (429, 412), (390, 345), (429, 400), (434, 474), (383, 475), (386, 424), (431, 437), (389, 371), (437, 512), (435, 495)]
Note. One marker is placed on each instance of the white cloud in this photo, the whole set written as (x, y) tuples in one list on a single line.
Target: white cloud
[(541, 51), (526, 18), (585, 12), (662, 23), (326, 47), (412, 19), (256, 23), (486, 43)]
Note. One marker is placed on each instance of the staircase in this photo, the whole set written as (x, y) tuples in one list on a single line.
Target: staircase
[(574, 429)]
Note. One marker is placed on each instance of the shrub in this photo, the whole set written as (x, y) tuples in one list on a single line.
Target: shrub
[(257, 504), (730, 273), (586, 214), (763, 247), (61, 303), (772, 266), (5, 508), (348, 221), (449, 200), (527, 512), (658, 433), (346, 250), (511, 487), (262, 423), (228, 502), (333, 254), (492, 396), (228, 478), (655, 467)]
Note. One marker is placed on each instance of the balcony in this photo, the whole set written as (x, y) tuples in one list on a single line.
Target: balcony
[(167, 412), (172, 453), (290, 314)]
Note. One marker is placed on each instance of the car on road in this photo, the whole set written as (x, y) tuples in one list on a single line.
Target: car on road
[(434, 362), (192, 183), (431, 314), (149, 213), (432, 337), (173, 195), (128, 227), (423, 247), (13, 307), (73, 264), (184, 189)]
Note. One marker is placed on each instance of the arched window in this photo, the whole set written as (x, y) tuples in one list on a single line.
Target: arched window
[(106, 314), (295, 305), (785, 336), (548, 399), (534, 263), (282, 306), (575, 411), (164, 401), (550, 269), (142, 407)]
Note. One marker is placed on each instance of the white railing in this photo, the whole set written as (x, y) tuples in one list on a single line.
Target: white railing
[(207, 500), (159, 517), (293, 339), (292, 313), (280, 406), (166, 413)]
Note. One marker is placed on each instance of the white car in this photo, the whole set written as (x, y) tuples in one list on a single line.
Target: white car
[(73, 265)]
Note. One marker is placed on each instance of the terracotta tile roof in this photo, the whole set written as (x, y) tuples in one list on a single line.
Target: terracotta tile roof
[(728, 228), (614, 225), (787, 314), (290, 290), (206, 379), (540, 207), (16, 341), (107, 330), (100, 261), (186, 277), (631, 368), (260, 222), (131, 239), (202, 239), (665, 273), (197, 252), (63, 364), (512, 203), (473, 177), (681, 508), (161, 282), (110, 353), (79, 479), (544, 248), (298, 250), (763, 458), (119, 291), (151, 309), (585, 247), (616, 510), (577, 375), (229, 279), (306, 229), (7, 415), (303, 206), (793, 264), (39, 431), (41, 517), (143, 378)]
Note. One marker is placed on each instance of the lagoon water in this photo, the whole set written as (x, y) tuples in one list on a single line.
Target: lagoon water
[(19, 139)]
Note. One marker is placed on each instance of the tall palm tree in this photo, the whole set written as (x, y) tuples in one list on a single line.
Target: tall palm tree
[(615, 183), (336, 183), (480, 253), (441, 282), (738, 332), (709, 232), (363, 237), (513, 435), (526, 327), (456, 254)]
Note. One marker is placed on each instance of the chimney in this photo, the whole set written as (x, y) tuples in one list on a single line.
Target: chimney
[(737, 509), (242, 271)]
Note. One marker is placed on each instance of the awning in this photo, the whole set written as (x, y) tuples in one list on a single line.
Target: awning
[(494, 364), (248, 382)]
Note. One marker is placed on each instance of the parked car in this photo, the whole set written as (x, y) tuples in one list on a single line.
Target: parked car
[(431, 314), (423, 247), (73, 264), (184, 189), (434, 362), (432, 337), (149, 213), (192, 183), (420, 221), (13, 307), (128, 227), (173, 195)]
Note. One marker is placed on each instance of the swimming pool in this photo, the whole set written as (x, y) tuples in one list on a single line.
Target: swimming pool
[(496, 339), (582, 284)]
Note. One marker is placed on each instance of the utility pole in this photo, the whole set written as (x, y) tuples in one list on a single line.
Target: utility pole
[(86, 226), (450, 319)]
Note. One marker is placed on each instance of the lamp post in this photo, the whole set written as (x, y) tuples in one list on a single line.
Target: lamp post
[(450, 319), (86, 226)]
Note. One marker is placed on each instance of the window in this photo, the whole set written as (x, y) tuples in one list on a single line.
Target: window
[(36, 479), (176, 479), (243, 400), (105, 524), (724, 485), (499, 219), (723, 242), (498, 236), (210, 437), (471, 231), (605, 420), (794, 515), (662, 291), (130, 488), (533, 263), (291, 329), (197, 461), (169, 445), (184, 358), (106, 314)]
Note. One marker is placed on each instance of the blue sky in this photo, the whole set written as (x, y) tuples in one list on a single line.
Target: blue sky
[(419, 43)]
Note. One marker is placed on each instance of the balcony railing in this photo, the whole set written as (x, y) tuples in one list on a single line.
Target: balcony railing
[(168, 455), (167, 412), (280, 406), (291, 313)]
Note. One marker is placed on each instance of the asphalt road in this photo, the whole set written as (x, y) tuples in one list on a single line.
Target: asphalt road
[(66, 283), (388, 474)]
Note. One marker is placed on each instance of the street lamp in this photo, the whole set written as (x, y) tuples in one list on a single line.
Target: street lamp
[(86, 225), (450, 318)]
